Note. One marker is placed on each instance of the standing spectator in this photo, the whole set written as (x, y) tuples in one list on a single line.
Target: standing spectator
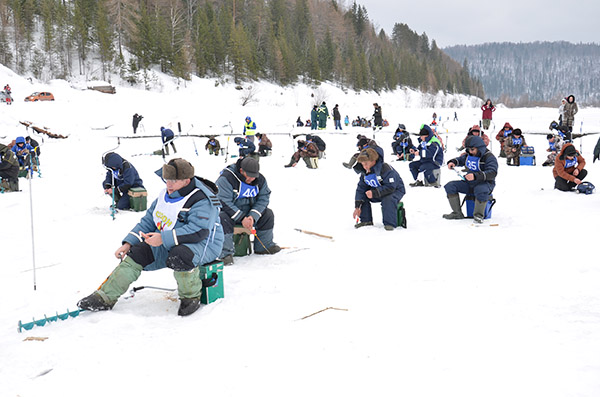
[(512, 147), (570, 110), (561, 111), (502, 135), (9, 169), (250, 128), (181, 230), (455, 117), (488, 108), (337, 117), (245, 196), (377, 117), (480, 180), (120, 177), (432, 156), (379, 183), (136, 121), (213, 146), (568, 168), (346, 121), (264, 145), (313, 118), (167, 137), (555, 143), (322, 116), (306, 151)]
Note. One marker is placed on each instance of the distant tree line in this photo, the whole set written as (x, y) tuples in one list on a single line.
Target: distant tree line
[(539, 73), (283, 41)]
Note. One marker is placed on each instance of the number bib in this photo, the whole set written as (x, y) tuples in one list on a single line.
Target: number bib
[(472, 163), (247, 191), (571, 163), (517, 141), (371, 180), (166, 210)]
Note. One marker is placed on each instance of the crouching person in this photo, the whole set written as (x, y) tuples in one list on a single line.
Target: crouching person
[(121, 176), (379, 183), (479, 181), (181, 231), (568, 168), (432, 157), (245, 195)]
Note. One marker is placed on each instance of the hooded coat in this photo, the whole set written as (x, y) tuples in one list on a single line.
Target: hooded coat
[(125, 174), (560, 164), (483, 166)]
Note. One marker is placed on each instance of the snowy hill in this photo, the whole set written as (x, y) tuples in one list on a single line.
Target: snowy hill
[(441, 308)]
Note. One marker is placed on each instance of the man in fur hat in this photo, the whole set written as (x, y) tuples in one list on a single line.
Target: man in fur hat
[(181, 231), (379, 183)]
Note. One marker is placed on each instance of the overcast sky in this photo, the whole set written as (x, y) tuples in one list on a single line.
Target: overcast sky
[(451, 22)]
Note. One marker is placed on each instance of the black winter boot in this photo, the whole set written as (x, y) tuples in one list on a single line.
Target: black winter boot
[(188, 306), (94, 303)]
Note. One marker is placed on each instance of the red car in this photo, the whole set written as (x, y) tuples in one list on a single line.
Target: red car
[(40, 96)]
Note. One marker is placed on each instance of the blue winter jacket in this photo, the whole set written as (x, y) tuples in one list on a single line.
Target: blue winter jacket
[(488, 164), (197, 226), (237, 208), (125, 174), (245, 146), (166, 133), (431, 149), (387, 177)]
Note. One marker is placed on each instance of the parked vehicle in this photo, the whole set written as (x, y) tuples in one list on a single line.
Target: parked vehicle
[(40, 96)]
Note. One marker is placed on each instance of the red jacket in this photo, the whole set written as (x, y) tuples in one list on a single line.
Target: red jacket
[(487, 112)]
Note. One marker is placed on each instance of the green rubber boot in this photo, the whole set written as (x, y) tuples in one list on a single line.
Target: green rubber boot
[(189, 288), (454, 200), (479, 211), (116, 285)]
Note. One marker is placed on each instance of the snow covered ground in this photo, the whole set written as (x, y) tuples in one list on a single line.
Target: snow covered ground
[(439, 309)]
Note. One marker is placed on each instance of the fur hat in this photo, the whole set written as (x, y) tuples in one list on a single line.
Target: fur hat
[(367, 155), (517, 132), (177, 169)]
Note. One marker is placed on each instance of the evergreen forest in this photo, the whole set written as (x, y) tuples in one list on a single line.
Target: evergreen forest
[(283, 41), (530, 74)]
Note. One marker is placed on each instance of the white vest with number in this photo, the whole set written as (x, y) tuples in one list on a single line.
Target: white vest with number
[(167, 208)]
